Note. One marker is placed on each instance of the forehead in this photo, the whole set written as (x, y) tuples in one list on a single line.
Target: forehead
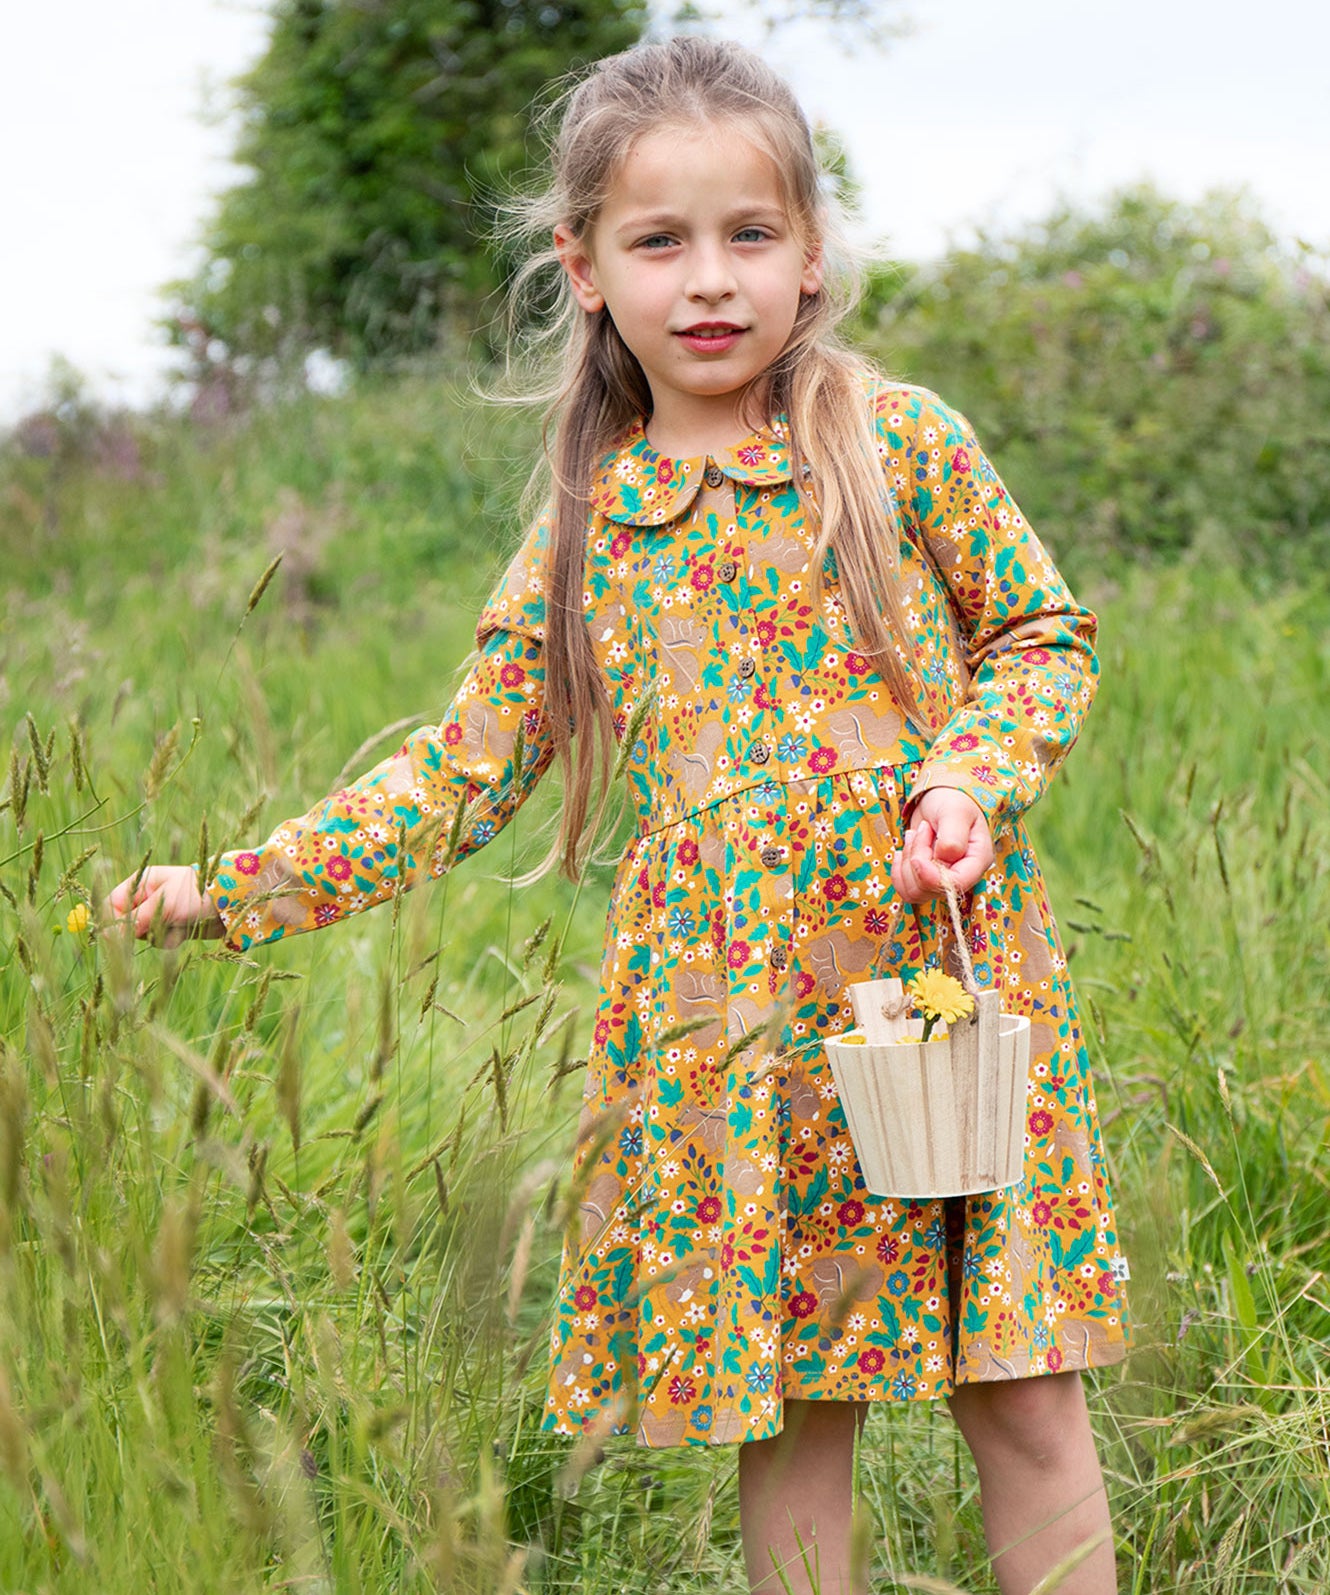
[(697, 169)]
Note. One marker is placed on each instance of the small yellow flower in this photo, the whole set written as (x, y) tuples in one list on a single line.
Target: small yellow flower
[(939, 997), (76, 921)]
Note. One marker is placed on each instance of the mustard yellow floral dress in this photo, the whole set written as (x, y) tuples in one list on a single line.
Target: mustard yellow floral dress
[(728, 1255)]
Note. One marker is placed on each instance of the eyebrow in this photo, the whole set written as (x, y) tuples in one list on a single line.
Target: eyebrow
[(662, 221)]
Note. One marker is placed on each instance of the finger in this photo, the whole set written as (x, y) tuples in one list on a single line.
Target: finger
[(923, 859), (953, 836), (967, 871), (145, 912), (906, 870)]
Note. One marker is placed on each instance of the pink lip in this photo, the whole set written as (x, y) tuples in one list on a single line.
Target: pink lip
[(711, 336)]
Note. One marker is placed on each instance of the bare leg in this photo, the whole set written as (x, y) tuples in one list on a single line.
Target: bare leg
[(796, 1501), (1039, 1481)]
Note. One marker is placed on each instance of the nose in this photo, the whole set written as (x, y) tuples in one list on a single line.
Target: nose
[(711, 277)]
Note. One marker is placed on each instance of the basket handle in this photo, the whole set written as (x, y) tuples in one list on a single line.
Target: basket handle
[(962, 946)]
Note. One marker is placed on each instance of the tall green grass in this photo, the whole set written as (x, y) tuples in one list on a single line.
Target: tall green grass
[(278, 1235)]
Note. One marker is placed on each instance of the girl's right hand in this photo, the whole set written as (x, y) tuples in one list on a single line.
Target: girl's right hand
[(171, 890)]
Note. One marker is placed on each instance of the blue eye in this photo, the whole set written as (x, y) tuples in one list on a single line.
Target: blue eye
[(656, 241), (751, 235)]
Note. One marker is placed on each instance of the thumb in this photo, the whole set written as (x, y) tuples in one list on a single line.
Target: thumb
[(952, 840)]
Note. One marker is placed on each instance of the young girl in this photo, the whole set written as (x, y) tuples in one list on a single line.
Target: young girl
[(844, 664)]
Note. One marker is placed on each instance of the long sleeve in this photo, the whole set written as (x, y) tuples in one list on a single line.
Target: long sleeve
[(483, 759), (1029, 646)]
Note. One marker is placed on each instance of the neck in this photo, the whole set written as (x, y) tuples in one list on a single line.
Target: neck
[(684, 436)]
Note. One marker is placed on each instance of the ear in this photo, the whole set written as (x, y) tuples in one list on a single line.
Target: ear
[(814, 264), (575, 258)]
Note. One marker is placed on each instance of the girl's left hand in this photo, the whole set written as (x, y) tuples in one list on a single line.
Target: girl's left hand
[(947, 828)]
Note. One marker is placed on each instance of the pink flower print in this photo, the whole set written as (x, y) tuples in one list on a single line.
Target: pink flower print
[(584, 1297), (856, 664), (1054, 1359), (738, 955), (1041, 1213), (751, 454), (804, 985), (664, 469), (850, 1213), (967, 742), (339, 868), (325, 914), (871, 1360), (602, 1032), (766, 632), (1041, 1122), (1107, 1284), (803, 1304), (820, 760), (984, 773), (835, 887), (727, 1255), (620, 543), (960, 461), (688, 853), (531, 723), (762, 698), (703, 578), (1037, 656), (452, 733), (658, 895), (708, 1210), (512, 675), (876, 922), (682, 1391), (888, 1249), (247, 863)]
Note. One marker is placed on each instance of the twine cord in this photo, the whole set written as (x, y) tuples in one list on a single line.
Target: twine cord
[(962, 947)]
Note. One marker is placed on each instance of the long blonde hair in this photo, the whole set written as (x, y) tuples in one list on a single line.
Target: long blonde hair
[(599, 388)]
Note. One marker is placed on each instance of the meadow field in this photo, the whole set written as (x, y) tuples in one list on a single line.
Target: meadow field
[(278, 1234)]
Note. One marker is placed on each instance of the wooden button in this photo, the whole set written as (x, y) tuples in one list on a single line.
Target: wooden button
[(713, 476), (727, 570), (771, 856), (759, 753), (779, 958), (747, 667)]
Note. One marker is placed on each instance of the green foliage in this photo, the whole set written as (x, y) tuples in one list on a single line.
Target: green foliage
[(373, 132), (278, 1237), (1147, 376)]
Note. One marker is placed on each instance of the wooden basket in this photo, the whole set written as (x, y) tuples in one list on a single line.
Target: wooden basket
[(945, 1117)]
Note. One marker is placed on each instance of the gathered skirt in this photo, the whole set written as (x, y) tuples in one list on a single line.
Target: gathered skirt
[(723, 1254)]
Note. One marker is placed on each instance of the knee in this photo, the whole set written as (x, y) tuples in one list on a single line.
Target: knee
[(1037, 1421)]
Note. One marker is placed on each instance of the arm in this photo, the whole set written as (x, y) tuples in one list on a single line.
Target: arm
[(400, 822), (446, 792), (1029, 647)]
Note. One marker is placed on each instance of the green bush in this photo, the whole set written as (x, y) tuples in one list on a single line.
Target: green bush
[(1146, 377)]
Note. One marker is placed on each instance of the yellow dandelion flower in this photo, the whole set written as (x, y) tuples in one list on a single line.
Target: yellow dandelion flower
[(76, 921), (939, 997)]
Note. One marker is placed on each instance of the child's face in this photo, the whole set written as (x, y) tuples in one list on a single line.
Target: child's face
[(701, 269)]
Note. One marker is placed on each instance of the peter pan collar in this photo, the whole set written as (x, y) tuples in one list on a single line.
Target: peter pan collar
[(636, 486)]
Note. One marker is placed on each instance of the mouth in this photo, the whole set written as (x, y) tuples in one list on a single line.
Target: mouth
[(710, 337)]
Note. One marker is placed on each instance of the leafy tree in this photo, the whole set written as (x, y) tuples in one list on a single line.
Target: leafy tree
[(372, 129)]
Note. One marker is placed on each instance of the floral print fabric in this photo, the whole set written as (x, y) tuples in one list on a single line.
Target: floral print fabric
[(726, 1254)]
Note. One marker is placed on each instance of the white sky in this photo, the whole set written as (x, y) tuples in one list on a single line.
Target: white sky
[(983, 115)]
